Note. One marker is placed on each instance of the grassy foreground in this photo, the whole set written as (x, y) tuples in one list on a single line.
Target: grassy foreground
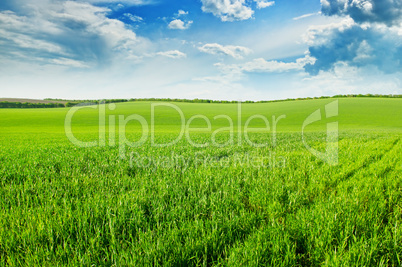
[(230, 205)]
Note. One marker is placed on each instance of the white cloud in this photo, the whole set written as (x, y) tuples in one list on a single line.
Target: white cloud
[(133, 18), (228, 10), (306, 15), (112, 31), (233, 75), (69, 62), (23, 41), (127, 2), (230, 50), (262, 65), (11, 22), (182, 13), (344, 79), (178, 24), (388, 12), (264, 3), (364, 52), (365, 37), (321, 34), (172, 54), (69, 30)]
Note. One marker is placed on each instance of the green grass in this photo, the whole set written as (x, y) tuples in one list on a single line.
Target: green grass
[(181, 205)]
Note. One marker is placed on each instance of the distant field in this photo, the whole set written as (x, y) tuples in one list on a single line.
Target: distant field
[(228, 203), (372, 114)]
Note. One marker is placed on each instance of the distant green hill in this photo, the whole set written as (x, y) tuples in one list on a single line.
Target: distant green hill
[(376, 114)]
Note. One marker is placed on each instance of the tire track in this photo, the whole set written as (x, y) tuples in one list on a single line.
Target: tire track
[(371, 160)]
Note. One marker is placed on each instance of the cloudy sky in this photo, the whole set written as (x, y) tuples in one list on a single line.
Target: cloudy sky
[(215, 49)]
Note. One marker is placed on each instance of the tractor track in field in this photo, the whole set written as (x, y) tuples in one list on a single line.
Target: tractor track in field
[(368, 162)]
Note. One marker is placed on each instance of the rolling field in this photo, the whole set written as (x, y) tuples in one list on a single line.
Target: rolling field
[(241, 191)]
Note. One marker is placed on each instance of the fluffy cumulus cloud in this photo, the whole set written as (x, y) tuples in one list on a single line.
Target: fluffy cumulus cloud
[(178, 24), (264, 3), (66, 33), (228, 10), (182, 13), (369, 35), (232, 10), (383, 11), (230, 50), (356, 46)]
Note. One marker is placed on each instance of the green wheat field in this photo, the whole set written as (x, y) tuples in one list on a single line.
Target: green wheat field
[(222, 202)]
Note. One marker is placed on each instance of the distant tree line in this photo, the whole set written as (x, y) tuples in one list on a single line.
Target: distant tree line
[(196, 100), (261, 101), (324, 97), (91, 102), (370, 95), (6, 104), (70, 103)]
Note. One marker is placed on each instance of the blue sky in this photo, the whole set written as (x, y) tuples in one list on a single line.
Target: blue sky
[(215, 49)]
